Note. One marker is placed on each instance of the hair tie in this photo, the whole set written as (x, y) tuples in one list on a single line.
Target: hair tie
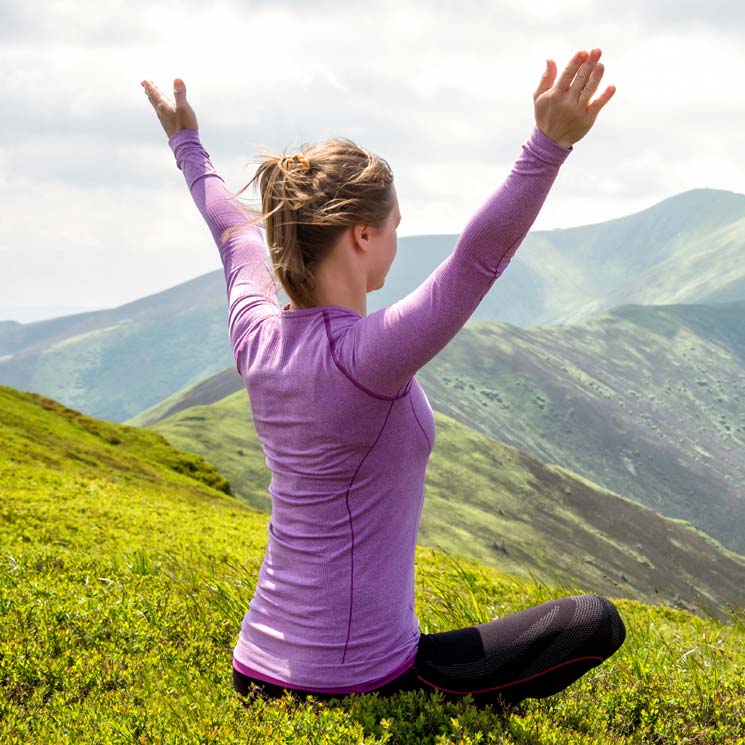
[(304, 162)]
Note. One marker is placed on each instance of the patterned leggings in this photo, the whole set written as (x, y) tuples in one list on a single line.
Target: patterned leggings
[(530, 654)]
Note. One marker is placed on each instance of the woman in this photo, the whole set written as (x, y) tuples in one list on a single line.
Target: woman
[(345, 426)]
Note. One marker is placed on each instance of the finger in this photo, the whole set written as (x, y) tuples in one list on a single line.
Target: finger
[(585, 72), (592, 84), (571, 70), (164, 103), (179, 92), (601, 100), (153, 93), (150, 87), (547, 79)]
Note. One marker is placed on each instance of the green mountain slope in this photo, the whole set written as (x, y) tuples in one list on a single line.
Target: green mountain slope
[(126, 576), (506, 509), (686, 249), (111, 362), (207, 391), (223, 432), (118, 362), (646, 401)]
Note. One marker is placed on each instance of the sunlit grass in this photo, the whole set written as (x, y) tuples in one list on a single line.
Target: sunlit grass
[(123, 585)]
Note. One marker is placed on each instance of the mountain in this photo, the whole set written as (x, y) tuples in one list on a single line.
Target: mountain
[(118, 362), (127, 574), (647, 401), (504, 508), (686, 249), (111, 362)]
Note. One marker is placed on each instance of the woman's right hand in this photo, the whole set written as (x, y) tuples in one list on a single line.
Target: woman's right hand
[(173, 116), (563, 111)]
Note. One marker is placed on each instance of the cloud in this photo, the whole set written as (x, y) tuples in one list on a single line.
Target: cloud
[(97, 22), (722, 16), (442, 90)]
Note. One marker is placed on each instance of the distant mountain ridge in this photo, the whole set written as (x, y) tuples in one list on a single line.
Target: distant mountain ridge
[(109, 362), (118, 362)]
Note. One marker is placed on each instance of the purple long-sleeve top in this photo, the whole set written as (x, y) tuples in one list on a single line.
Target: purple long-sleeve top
[(347, 431)]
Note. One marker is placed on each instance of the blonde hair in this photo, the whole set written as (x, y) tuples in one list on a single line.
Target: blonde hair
[(309, 199)]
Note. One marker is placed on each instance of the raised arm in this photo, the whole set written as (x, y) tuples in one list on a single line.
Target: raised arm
[(251, 291), (383, 351)]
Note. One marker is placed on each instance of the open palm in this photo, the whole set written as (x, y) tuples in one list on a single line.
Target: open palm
[(563, 110), (173, 115)]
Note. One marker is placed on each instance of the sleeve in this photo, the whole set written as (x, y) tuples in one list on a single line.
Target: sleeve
[(252, 294), (383, 351)]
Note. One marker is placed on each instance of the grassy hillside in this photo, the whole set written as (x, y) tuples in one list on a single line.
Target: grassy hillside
[(504, 508), (126, 576), (646, 401), (224, 433), (118, 362), (207, 391)]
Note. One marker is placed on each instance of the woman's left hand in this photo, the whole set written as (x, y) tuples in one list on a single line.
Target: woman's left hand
[(173, 116)]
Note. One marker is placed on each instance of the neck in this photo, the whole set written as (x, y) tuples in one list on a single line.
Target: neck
[(341, 280)]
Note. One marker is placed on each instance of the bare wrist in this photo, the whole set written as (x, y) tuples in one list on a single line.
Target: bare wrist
[(561, 141)]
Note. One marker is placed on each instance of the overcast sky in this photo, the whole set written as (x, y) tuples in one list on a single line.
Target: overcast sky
[(95, 213)]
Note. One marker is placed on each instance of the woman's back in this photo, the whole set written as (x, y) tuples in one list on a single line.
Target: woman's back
[(335, 597)]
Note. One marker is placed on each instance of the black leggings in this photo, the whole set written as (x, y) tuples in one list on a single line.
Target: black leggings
[(531, 654)]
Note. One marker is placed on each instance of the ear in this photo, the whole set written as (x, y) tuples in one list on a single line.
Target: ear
[(361, 235)]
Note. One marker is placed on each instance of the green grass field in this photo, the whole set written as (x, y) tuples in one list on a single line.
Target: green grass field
[(127, 567)]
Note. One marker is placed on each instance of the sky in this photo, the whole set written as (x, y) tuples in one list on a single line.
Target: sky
[(94, 212)]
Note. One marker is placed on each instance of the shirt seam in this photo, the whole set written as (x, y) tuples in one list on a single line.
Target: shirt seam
[(351, 530), (413, 411), (349, 375)]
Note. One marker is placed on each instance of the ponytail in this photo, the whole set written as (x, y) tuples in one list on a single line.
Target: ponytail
[(308, 200)]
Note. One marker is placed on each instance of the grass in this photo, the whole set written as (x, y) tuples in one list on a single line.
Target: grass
[(124, 579)]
